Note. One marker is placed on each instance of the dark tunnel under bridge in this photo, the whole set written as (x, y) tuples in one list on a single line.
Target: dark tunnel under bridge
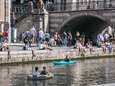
[(89, 25)]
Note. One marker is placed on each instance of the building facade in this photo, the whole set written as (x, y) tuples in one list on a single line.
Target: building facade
[(60, 11), (4, 15)]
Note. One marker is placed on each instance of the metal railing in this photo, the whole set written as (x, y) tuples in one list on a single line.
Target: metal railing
[(22, 10), (90, 5)]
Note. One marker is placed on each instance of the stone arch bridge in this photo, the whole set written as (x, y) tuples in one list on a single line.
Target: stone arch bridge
[(90, 21)]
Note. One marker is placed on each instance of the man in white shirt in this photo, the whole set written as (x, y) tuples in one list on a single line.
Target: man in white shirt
[(36, 72)]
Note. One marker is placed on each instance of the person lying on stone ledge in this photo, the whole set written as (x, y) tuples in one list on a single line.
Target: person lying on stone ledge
[(44, 46)]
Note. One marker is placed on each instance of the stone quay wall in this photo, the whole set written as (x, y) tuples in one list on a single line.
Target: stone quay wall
[(10, 57)]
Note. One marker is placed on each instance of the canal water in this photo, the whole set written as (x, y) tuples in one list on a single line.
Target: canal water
[(83, 73)]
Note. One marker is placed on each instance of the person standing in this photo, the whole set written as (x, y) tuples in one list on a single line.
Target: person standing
[(64, 39), (69, 39)]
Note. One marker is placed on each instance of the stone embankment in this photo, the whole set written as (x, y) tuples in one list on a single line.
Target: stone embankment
[(34, 55)]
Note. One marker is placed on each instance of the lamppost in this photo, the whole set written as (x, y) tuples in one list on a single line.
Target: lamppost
[(9, 21)]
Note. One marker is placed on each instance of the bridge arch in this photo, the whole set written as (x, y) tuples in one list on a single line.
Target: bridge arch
[(89, 24)]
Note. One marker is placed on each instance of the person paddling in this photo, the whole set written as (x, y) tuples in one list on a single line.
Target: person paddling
[(67, 58)]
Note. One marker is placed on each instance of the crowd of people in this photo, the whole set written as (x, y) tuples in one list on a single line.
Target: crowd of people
[(44, 40), (78, 40)]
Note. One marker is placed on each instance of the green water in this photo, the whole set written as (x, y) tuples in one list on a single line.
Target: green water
[(83, 73)]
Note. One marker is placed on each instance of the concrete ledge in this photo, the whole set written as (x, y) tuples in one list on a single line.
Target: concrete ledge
[(111, 84), (20, 57)]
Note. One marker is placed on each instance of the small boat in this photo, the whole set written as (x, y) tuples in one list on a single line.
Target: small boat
[(40, 77), (63, 62)]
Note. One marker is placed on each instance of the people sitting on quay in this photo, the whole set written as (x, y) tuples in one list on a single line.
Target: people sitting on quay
[(109, 47), (44, 46), (4, 45), (44, 71)]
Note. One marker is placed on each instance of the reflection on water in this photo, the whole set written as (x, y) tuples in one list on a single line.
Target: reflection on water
[(83, 73)]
